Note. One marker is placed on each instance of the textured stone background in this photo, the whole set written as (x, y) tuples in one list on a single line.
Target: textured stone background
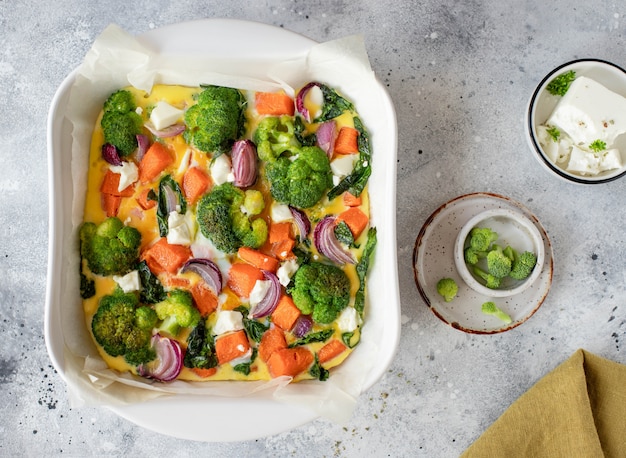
[(460, 74)]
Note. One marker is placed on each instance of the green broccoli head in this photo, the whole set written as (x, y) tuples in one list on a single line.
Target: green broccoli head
[(120, 123), (119, 327), (523, 264), (491, 281), (321, 290), (222, 221), (109, 248), (472, 256), (481, 238), (179, 306), (490, 308), (447, 288), (216, 120), (303, 181), (121, 101), (498, 263), (275, 135)]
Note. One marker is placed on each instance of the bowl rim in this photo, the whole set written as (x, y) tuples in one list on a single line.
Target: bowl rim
[(531, 128), (459, 248)]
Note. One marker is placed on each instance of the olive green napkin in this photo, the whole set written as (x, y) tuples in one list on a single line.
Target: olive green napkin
[(577, 410)]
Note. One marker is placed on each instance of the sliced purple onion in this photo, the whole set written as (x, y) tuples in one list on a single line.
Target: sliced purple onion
[(208, 270), (326, 137), (143, 143), (168, 363), (169, 131), (302, 326), (300, 100), (301, 221), (171, 198), (244, 159), (327, 244), (111, 154), (270, 301)]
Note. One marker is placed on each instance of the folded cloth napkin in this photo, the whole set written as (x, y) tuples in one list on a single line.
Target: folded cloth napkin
[(577, 410)]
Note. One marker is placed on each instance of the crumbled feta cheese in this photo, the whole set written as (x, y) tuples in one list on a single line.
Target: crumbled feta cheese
[(280, 213), (227, 321), (611, 159), (222, 170), (286, 271), (583, 162), (179, 232), (259, 290), (164, 115), (348, 320), (129, 173), (343, 165), (129, 282), (315, 100)]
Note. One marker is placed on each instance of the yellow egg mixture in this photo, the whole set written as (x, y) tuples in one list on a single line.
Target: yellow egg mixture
[(145, 221)]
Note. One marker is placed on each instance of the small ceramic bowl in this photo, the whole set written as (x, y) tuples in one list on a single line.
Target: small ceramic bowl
[(542, 104), (514, 229)]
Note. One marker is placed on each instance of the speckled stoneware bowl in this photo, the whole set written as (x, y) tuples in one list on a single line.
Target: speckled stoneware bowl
[(542, 104), (513, 229), (434, 258)]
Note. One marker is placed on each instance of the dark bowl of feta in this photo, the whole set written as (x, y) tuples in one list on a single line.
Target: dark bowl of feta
[(576, 121)]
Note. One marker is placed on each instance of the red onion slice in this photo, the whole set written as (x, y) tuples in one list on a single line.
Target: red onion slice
[(302, 326), (244, 159), (301, 221), (169, 131), (327, 244), (168, 363), (300, 100), (111, 154), (270, 301), (143, 143), (208, 270), (326, 137)]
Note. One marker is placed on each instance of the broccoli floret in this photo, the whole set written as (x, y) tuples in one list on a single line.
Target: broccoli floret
[(253, 202), (472, 256), (275, 135), (490, 308), (109, 248), (119, 326), (481, 238), (447, 288), (120, 123), (322, 290), (300, 182), (523, 264), (177, 311), (216, 120), (491, 281), (221, 220), (498, 264)]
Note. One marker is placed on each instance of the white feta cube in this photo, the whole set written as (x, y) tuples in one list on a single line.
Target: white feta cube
[(222, 170), (286, 270), (179, 232), (164, 115), (227, 321), (348, 320), (259, 290), (129, 282), (280, 213), (129, 173), (583, 162)]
